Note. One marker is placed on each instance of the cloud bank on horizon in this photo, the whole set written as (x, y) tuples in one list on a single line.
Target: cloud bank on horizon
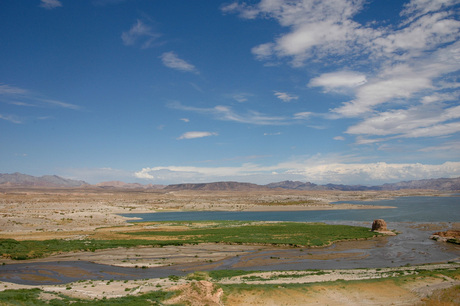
[(350, 91)]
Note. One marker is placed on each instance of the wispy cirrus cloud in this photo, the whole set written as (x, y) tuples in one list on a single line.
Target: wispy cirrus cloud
[(11, 118), (21, 97), (140, 34), (196, 134), (50, 4), (226, 113), (171, 60)]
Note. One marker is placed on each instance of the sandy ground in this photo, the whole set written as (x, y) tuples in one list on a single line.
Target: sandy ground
[(82, 213)]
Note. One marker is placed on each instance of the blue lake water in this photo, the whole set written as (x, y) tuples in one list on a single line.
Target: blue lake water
[(407, 209)]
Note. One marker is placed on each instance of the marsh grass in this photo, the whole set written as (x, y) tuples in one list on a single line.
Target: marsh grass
[(185, 232), (280, 233), (28, 249)]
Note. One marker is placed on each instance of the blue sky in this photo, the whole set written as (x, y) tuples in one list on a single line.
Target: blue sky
[(150, 91)]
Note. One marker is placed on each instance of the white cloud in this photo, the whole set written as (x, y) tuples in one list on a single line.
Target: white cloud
[(10, 118), (417, 8), (272, 134), (242, 97), (452, 146), (404, 67), (339, 138), (302, 115), (171, 60), (192, 135), (419, 121), (285, 97), (317, 170), (317, 28), (12, 90), (337, 81), (185, 119), (140, 33), (403, 82), (60, 104), (50, 4), (23, 97), (226, 113), (423, 34)]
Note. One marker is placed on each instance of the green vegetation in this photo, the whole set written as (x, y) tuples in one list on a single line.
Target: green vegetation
[(28, 249), (221, 274), (31, 297), (282, 233), (231, 232)]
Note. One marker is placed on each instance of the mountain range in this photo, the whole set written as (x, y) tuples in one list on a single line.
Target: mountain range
[(52, 181)]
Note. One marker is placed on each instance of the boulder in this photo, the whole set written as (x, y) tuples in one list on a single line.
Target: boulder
[(379, 225)]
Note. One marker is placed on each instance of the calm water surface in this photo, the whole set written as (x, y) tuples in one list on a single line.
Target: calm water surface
[(408, 209)]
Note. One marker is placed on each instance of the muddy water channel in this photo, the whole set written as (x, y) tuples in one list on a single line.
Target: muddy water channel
[(411, 247)]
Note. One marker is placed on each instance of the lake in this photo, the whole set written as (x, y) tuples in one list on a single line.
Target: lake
[(408, 209)]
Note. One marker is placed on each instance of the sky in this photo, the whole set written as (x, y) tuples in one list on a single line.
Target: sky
[(260, 91)]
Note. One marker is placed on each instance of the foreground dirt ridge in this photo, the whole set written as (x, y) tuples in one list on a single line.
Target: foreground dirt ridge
[(325, 286)]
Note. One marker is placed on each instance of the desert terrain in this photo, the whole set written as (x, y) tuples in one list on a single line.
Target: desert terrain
[(92, 213)]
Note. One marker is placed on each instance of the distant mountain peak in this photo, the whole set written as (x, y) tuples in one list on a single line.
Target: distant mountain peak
[(23, 180)]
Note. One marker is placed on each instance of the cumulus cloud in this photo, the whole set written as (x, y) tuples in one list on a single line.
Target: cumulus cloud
[(285, 97), (194, 134), (171, 60), (404, 66), (50, 4), (316, 170), (139, 33), (317, 28)]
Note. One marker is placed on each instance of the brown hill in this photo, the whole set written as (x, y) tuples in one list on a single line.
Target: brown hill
[(24, 180), (123, 185), (215, 186)]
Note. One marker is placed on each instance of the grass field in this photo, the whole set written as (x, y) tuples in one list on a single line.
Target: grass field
[(179, 233)]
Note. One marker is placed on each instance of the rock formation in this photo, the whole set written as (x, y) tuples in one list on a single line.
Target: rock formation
[(452, 236), (197, 294), (379, 225)]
